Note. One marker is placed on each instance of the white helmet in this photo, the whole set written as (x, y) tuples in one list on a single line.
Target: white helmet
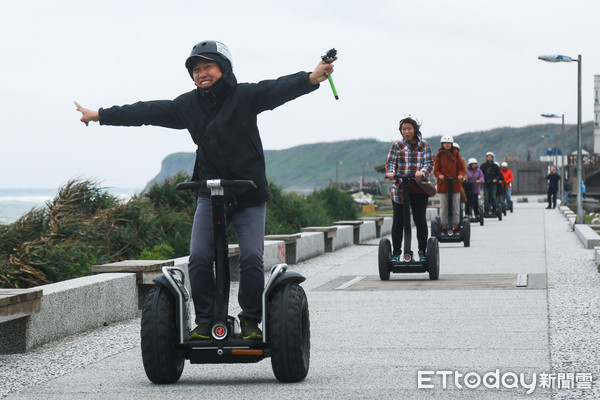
[(472, 160), (447, 139), (412, 118), (489, 153), (456, 145), (504, 164)]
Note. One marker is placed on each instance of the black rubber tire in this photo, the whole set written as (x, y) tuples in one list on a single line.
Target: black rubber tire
[(481, 216), (436, 227), (289, 333), (466, 233), (511, 206), (385, 255), (433, 258), (499, 214), (163, 362), (504, 209)]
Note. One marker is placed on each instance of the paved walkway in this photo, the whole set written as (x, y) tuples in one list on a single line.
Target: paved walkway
[(371, 339)]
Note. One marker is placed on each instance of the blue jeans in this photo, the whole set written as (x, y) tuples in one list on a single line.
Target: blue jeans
[(249, 224), (506, 197), (567, 198), (490, 202)]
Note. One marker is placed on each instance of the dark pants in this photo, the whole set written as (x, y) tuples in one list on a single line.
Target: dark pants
[(418, 205), (249, 224), (473, 204), (552, 197), (490, 197)]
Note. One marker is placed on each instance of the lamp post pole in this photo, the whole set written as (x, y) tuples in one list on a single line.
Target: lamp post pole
[(562, 159), (336, 173), (579, 147), (561, 58)]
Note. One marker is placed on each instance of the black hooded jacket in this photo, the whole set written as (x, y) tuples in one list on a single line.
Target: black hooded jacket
[(223, 124), (490, 171)]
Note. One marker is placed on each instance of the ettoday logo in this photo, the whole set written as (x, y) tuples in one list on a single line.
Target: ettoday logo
[(508, 380), (473, 380)]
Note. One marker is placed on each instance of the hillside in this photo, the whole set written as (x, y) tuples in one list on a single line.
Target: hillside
[(311, 166)]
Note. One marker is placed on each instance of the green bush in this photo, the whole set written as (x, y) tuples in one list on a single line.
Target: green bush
[(158, 252)]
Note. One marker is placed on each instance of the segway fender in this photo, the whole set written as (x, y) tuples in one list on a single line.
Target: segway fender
[(181, 296), (285, 277), (162, 280)]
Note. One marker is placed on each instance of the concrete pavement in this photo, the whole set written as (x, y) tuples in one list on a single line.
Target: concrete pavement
[(371, 338)]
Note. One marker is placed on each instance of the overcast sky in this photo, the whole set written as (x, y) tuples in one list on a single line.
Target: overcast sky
[(460, 66)]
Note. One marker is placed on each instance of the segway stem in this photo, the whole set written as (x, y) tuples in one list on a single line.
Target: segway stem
[(450, 193), (406, 214), (222, 276)]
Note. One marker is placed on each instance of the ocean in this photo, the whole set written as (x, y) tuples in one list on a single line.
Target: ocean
[(16, 202)]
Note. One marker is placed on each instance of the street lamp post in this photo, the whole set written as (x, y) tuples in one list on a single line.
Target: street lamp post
[(560, 58), (336, 172), (362, 179), (562, 157)]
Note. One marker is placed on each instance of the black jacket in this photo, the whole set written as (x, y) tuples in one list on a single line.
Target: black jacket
[(553, 181), (229, 145), (490, 172)]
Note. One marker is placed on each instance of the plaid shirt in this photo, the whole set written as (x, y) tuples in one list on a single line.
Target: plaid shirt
[(404, 161)]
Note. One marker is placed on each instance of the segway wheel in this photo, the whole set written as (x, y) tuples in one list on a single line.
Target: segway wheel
[(499, 214), (433, 258), (504, 209), (163, 362), (289, 333), (385, 255), (481, 216), (466, 233), (510, 205)]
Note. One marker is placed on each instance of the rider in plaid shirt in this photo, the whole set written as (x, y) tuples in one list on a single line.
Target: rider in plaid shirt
[(411, 155)]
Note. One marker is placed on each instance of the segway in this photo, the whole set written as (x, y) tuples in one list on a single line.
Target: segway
[(449, 235), (408, 264), (166, 324)]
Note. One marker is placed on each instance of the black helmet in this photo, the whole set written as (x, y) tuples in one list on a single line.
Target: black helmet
[(210, 50)]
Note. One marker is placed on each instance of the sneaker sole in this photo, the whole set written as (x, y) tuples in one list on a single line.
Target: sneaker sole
[(195, 336), (253, 336)]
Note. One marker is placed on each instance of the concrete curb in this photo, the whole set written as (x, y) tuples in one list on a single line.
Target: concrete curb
[(586, 235), (71, 307)]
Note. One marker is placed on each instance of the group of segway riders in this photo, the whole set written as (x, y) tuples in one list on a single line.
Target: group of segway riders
[(457, 182)]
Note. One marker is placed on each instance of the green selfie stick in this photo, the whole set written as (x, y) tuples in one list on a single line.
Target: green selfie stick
[(330, 54), (333, 87)]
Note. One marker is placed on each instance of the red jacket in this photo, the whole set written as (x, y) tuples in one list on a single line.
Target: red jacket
[(450, 164), (507, 177)]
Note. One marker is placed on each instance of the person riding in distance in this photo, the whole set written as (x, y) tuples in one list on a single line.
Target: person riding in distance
[(409, 156), (221, 116), (491, 176), (449, 164), (507, 178), (474, 179)]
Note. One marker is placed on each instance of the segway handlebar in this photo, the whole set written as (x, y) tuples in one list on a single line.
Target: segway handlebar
[(410, 176), (215, 183)]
